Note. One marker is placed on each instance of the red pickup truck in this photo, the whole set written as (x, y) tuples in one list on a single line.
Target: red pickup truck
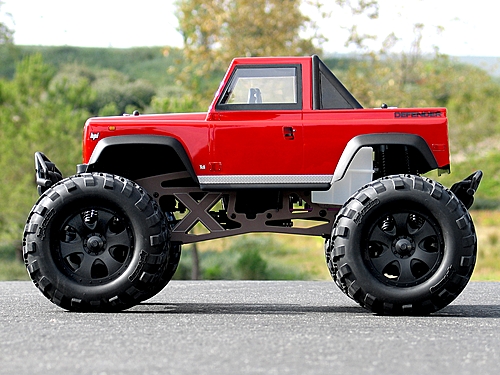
[(285, 148)]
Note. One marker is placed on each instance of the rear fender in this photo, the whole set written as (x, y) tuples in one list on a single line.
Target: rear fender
[(355, 166), (371, 140)]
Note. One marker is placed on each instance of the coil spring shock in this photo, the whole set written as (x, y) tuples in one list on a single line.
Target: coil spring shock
[(90, 218), (407, 159), (387, 223), (383, 162), (415, 221)]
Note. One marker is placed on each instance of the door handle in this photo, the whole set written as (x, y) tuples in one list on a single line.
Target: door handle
[(289, 132)]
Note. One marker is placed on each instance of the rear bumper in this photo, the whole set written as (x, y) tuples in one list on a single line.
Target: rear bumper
[(465, 189)]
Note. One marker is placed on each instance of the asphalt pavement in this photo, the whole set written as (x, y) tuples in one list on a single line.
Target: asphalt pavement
[(248, 327)]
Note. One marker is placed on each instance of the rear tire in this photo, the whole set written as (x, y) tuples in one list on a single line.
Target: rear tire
[(95, 242), (402, 245)]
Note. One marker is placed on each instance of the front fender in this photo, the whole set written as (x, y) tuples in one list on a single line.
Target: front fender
[(139, 156)]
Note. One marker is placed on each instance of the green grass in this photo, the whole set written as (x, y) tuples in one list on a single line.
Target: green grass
[(257, 257), (11, 268), (487, 225)]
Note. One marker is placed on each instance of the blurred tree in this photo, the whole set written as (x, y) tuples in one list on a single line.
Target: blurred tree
[(6, 34), (251, 265), (34, 117), (216, 31), (107, 91), (42, 109), (170, 103)]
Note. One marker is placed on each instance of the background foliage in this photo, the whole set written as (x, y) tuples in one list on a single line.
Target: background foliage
[(47, 93)]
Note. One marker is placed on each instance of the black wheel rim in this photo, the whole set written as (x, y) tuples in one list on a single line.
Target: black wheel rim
[(95, 246), (404, 248)]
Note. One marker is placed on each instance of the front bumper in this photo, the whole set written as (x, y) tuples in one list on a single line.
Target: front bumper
[(47, 173)]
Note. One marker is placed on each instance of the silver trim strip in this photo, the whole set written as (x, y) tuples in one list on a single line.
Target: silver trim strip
[(265, 179)]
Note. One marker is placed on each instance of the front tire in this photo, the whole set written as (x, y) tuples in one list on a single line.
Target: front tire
[(166, 273), (402, 245), (95, 242)]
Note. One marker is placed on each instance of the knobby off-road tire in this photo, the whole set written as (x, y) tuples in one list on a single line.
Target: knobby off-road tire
[(95, 242), (166, 273), (402, 245), (168, 268)]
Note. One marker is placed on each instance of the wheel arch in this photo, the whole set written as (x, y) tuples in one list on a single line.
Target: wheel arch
[(140, 156), (424, 163)]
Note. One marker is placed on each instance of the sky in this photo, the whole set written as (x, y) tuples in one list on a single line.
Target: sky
[(468, 26)]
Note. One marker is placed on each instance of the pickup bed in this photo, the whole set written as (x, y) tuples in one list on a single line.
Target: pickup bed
[(284, 147)]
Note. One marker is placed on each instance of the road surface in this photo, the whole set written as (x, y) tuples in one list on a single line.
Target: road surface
[(248, 327)]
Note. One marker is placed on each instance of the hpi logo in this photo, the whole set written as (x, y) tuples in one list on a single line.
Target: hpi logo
[(94, 136)]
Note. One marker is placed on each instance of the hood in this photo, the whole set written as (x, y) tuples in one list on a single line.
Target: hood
[(166, 117)]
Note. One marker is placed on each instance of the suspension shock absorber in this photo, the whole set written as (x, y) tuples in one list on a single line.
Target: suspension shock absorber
[(383, 161), (407, 160), (90, 218)]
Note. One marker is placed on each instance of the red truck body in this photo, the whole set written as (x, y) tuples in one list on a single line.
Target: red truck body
[(254, 142)]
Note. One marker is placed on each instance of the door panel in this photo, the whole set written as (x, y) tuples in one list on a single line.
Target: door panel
[(256, 143)]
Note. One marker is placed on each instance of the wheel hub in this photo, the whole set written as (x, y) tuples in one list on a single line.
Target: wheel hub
[(403, 247), (95, 244)]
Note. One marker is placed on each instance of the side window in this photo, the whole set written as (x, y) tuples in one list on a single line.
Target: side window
[(255, 87)]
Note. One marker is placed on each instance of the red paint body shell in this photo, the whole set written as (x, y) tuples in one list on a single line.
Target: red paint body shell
[(255, 142)]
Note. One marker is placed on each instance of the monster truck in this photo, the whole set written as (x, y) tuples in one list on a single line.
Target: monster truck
[(283, 148)]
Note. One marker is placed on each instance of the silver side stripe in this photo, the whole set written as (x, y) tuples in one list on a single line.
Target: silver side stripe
[(265, 179)]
